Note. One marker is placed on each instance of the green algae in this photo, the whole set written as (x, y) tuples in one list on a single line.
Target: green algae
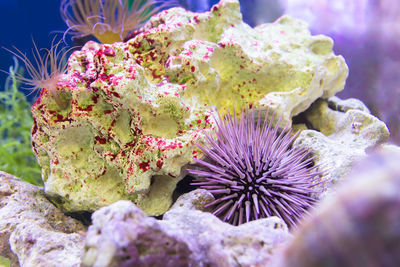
[(4, 262), (16, 155)]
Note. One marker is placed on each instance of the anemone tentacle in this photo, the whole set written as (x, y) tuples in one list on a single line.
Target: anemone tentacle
[(45, 69), (108, 20)]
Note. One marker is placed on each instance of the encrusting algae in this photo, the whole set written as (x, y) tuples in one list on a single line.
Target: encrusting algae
[(136, 109)]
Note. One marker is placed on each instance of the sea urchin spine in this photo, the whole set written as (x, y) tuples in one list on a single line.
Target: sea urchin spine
[(254, 171)]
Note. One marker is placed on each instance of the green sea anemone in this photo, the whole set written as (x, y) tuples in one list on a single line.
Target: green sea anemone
[(108, 20)]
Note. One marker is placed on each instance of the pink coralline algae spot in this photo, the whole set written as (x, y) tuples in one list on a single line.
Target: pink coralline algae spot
[(148, 140), (159, 164), (103, 76), (115, 80), (155, 75), (88, 108), (182, 87), (95, 98), (100, 140), (60, 118), (161, 143), (108, 51), (144, 166), (173, 145), (222, 45)]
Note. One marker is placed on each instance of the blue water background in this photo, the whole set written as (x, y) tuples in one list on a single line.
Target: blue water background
[(22, 20)]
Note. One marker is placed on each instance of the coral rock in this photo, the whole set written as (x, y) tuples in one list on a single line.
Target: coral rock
[(132, 111), (33, 232), (121, 235), (344, 131)]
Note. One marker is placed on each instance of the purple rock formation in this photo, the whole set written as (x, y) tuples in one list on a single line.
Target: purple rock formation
[(357, 227), (122, 235)]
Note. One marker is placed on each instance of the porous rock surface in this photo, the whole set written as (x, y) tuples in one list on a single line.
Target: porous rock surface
[(359, 226), (33, 232), (341, 133), (122, 235), (126, 115)]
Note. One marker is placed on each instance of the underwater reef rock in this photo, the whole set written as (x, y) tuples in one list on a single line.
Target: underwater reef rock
[(33, 232), (122, 235), (359, 226), (128, 114), (344, 130)]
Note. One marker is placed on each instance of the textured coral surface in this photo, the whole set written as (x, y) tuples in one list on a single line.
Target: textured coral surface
[(342, 132), (122, 235), (132, 111)]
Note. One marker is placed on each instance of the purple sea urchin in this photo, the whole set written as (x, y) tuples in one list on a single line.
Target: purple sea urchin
[(254, 171)]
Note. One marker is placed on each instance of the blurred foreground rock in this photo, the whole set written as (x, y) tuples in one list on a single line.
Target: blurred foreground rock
[(360, 226), (33, 232)]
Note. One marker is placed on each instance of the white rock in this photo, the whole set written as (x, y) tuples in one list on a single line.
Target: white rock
[(185, 237)]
